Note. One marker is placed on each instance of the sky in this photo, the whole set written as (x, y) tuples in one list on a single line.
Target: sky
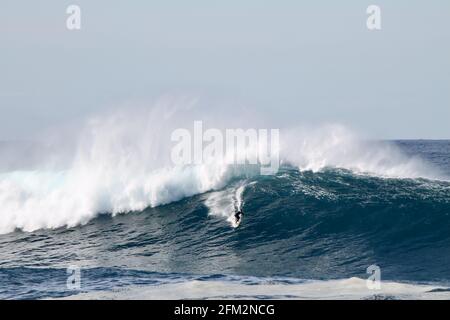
[(297, 61)]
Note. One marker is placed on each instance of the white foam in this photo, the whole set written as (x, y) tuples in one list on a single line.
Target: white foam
[(122, 164), (353, 288)]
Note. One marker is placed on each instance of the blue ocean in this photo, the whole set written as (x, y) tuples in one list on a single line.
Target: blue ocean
[(310, 231)]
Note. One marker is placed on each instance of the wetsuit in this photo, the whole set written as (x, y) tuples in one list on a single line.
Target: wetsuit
[(238, 215)]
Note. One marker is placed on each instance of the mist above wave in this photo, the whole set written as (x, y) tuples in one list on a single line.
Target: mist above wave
[(335, 146)]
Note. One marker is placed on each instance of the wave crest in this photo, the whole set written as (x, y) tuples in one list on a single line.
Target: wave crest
[(122, 164)]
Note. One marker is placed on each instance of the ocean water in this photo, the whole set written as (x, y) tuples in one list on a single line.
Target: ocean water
[(308, 232)]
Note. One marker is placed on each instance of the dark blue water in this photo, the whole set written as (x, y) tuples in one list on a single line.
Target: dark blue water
[(326, 225)]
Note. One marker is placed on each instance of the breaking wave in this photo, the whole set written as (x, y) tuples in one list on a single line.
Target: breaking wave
[(121, 163)]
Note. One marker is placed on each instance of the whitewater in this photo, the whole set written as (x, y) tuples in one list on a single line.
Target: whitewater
[(121, 163)]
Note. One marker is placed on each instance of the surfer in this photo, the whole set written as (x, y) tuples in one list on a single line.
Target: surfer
[(238, 217)]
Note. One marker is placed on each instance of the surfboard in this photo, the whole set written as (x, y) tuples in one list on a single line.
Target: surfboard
[(237, 223)]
